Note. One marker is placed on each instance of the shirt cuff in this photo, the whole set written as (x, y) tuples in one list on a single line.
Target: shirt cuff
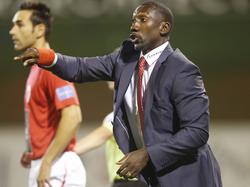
[(53, 63)]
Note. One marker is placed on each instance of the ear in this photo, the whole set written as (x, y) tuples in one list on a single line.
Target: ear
[(165, 28), (40, 30)]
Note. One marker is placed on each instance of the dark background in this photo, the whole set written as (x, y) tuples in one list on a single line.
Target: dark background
[(219, 45)]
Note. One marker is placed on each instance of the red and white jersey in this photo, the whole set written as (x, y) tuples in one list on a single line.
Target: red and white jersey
[(45, 96)]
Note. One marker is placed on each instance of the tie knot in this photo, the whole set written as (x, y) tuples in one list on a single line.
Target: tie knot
[(142, 63)]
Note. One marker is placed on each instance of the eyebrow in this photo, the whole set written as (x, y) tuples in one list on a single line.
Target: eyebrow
[(17, 21)]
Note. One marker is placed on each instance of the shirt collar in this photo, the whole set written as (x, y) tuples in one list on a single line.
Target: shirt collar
[(154, 54)]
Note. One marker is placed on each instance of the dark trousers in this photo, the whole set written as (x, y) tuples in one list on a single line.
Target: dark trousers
[(126, 183)]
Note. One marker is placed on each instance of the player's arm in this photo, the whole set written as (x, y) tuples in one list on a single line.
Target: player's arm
[(93, 140), (68, 125), (70, 120)]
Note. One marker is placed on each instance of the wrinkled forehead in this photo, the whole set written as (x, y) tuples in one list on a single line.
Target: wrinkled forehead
[(22, 15)]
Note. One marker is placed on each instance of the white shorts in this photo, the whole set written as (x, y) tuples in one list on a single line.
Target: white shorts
[(66, 171)]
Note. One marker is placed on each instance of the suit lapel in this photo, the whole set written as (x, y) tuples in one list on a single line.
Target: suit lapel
[(148, 95), (124, 80)]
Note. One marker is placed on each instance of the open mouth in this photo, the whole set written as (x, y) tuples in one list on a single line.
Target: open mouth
[(14, 40), (134, 38)]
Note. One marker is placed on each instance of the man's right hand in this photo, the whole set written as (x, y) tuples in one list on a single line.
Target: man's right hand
[(25, 160), (29, 57)]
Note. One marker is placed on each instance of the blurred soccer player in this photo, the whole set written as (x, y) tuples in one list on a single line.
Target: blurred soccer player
[(101, 135), (52, 111)]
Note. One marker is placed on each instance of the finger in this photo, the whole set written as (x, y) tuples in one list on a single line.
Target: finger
[(48, 183), (134, 174), (120, 162), (129, 175), (24, 57), (120, 174), (124, 172), (17, 58), (29, 62), (122, 167)]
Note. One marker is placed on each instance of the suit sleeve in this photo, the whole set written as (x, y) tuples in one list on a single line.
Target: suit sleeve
[(76, 69), (191, 106)]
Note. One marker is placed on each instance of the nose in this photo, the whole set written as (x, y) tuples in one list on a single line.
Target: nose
[(134, 27), (11, 32)]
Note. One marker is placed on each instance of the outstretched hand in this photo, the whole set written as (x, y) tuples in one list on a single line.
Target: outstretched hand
[(132, 164), (28, 57)]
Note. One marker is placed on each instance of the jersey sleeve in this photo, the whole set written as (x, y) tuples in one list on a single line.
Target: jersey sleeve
[(62, 93)]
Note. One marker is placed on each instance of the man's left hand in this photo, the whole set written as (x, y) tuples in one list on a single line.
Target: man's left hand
[(133, 163)]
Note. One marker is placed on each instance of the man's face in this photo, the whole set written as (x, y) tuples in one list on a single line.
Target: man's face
[(23, 33), (145, 29)]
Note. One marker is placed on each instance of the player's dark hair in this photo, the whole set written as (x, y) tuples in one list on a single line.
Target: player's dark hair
[(163, 10), (40, 15)]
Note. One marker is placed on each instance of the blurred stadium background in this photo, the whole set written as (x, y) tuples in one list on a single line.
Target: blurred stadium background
[(214, 34)]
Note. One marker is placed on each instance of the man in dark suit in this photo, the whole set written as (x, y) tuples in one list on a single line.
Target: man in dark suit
[(161, 115)]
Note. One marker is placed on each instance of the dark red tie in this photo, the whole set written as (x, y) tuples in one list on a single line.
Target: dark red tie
[(142, 63)]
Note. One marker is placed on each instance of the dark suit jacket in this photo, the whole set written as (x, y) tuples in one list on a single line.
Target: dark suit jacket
[(175, 108)]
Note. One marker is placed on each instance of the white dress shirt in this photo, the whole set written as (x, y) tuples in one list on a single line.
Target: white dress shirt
[(131, 93)]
